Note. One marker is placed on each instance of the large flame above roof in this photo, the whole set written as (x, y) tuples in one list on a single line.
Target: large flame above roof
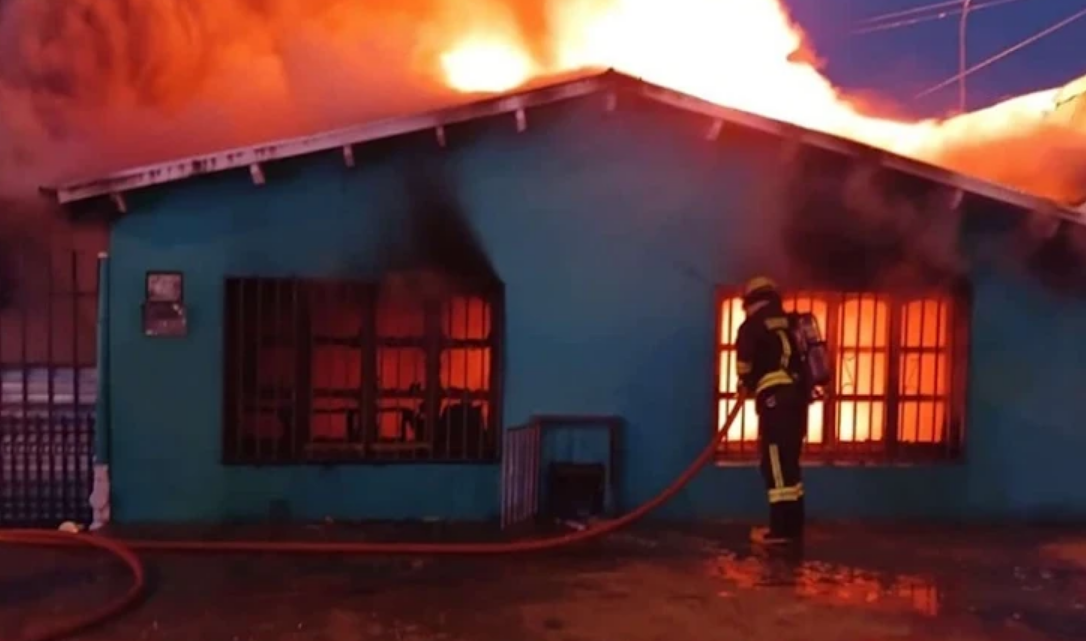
[(749, 55), (88, 87)]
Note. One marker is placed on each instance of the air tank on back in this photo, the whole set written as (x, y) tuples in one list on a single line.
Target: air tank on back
[(813, 346)]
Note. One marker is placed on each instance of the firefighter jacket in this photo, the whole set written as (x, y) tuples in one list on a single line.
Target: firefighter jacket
[(766, 354)]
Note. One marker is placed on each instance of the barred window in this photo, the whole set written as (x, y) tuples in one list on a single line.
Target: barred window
[(899, 374), (335, 371)]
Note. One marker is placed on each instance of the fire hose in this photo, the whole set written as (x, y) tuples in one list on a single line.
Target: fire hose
[(125, 549)]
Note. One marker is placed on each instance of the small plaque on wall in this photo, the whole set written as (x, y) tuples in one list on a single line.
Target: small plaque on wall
[(165, 287), (164, 319), (164, 305)]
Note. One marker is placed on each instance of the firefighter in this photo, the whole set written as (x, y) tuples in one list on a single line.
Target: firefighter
[(768, 368)]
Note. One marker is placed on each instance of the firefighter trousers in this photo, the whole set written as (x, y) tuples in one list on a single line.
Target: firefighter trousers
[(782, 424)]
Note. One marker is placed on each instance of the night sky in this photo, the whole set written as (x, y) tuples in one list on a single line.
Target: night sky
[(899, 63)]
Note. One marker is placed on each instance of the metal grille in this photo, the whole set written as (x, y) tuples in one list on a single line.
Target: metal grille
[(340, 371), (49, 388), (521, 459), (899, 371)]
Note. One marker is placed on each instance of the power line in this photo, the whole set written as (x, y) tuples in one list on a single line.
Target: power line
[(1003, 54), (874, 25), (952, 6), (908, 12)]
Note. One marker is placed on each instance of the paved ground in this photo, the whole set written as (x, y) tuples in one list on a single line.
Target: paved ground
[(654, 584)]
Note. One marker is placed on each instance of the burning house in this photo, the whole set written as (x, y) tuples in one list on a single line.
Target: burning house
[(350, 324)]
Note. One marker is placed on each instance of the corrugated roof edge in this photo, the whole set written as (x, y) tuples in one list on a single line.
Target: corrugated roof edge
[(117, 184)]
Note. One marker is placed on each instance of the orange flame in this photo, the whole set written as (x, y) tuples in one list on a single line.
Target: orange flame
[(486, 66), (739, 54), (180, 77)]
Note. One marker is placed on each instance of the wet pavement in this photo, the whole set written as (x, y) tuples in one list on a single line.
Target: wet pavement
[(855, 583)]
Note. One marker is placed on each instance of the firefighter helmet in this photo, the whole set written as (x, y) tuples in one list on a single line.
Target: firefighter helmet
[(759, 288)]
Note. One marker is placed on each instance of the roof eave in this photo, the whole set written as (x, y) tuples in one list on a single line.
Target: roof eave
[(852, 148), (115, 185), (251, 157)]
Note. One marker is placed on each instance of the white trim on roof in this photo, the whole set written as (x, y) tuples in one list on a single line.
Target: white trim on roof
[(191, 167), (116, 184), (851, 148)]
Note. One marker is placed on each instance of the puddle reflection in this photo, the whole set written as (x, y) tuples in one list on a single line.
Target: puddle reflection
[(832, 583)]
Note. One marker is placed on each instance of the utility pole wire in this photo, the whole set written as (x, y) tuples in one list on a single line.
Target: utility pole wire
[(927, 8), (1003, 54), (962, 54), (875, 26), (948, 6)]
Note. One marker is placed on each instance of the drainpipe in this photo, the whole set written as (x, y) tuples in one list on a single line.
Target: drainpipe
[(99, 497)]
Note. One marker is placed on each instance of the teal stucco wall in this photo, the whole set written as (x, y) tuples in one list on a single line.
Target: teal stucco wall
[(610, 231)]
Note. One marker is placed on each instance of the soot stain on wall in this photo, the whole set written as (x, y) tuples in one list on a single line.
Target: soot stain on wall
[(431, 248)]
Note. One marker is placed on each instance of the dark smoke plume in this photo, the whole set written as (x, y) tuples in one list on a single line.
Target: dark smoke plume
[(433, 250), (442, 238), (1059, 259), (837, 222), (842, 222)]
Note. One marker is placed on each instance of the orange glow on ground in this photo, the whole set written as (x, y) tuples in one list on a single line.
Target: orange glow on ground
[(832, 584)]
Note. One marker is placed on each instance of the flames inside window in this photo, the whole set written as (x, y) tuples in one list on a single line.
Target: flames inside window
[(317, 370), (892, 374)]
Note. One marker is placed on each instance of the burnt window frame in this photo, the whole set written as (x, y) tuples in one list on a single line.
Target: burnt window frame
[(295, 445), (888, 450)]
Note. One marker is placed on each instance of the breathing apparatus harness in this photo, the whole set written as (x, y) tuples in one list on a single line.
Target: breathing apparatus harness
[(811, 367)]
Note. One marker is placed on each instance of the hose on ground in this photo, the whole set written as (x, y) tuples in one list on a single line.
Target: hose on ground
[(124, 549), (107, 612)]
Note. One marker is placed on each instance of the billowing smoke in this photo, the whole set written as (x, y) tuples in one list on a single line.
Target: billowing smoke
[(92, 86), (1054, 254), (833, 221), (828, 220), (88, 86)]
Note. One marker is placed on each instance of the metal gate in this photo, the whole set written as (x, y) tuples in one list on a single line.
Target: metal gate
[(520, 475), (48, 353)]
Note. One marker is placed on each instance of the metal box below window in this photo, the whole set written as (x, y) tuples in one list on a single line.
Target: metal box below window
[(576, 490)]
